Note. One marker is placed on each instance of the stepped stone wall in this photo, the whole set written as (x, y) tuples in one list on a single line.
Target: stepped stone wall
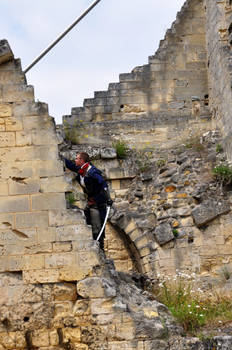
[(219, 40), (158, 102), (57, 291)]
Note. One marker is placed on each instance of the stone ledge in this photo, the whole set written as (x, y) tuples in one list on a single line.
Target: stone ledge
[(5, 52)]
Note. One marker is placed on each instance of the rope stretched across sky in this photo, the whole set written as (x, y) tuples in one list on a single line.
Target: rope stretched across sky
[(62, 35)]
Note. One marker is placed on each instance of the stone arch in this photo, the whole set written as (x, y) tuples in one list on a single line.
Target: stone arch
[(141, 245)]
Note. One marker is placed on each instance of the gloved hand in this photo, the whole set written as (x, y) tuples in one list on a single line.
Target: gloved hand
[(109, 202)]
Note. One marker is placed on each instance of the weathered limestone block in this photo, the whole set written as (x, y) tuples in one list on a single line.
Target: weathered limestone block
[(48, 201), (163, 233), (14, 204), (23, 186), (209, 210), (108, 153), (54, 184), (7, 139), (5, 52), (5, 110), (96, 287)]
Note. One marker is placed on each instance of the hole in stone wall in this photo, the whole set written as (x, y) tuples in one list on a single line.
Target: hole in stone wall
[(26, 319), (206, 100), (122, 106), (190, 240), (230, 28)]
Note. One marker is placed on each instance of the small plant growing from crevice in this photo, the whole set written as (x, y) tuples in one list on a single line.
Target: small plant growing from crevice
[(194, 142), (226, 272), (143, 160), (121, 148), (219, 148), (223, 174), (70, 198), (71, 132), (161, 162), (191, 306), (175, 232)]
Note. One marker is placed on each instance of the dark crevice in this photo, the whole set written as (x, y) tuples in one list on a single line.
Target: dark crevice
[(19, 233)]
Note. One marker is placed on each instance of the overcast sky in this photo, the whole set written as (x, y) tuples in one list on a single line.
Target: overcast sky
[(115, 37)]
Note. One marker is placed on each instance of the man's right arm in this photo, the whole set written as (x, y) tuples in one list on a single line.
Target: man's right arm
[(70, 165)]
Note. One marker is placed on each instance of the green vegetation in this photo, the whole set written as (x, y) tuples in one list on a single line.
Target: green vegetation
[(219, 148), (121, 148), (191, 307), (160, 162), (175, 232), (223, 174), (71, 132), (194, 142), (226, 272), (143, 160), (70, 198)]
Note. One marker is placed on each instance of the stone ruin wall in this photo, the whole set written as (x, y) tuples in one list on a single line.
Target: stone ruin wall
[(159, 102), (148, 108), (56, 290), (219, 29)]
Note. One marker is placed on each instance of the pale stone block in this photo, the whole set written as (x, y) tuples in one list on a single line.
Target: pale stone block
[(44, 137), (101, 306), (46, 234), (38, 248), (20, 340), (3, 188), (35, 122), (65, 291), (73, 232), (54, 338), (48, 168), (18, 170), (72, 335), (15, 263), (37, 219), (6, 221), (62, 247), (23, 186), (125, 331), (14, 93), (7, 139), (74, 273), (48, 201), (13, 235), (130, 227), (88, 259), (3, 263), (2, 126), (81, 347), (5, 110), (29, 153), (40, 338), (23, 138), (65, 217), (41, 276), (121, 193), (7, 339), (115, 184), (14, 204), (13, 124), (59, 259), (33, 262), (63, 309), (135, 234), (55, 184), (14, 249)]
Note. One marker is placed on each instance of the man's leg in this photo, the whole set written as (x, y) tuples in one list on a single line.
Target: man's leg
[(96, 224)]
